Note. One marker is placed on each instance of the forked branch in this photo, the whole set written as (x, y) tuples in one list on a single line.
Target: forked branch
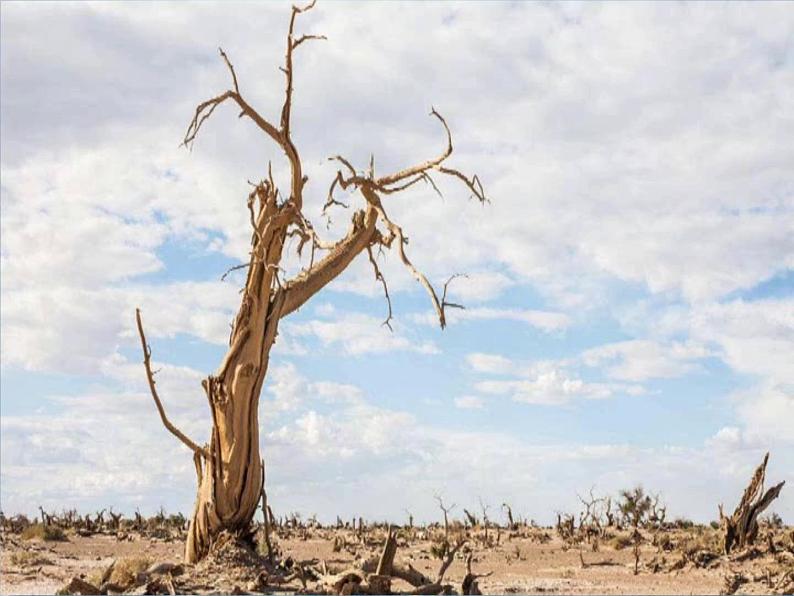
[(281, 134), (420, 171)]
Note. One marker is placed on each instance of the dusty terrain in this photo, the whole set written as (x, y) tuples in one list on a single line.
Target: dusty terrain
[(525, 559)]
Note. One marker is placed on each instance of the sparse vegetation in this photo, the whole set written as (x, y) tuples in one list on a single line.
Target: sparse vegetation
[(126, 570), (407, 556), (24, 558), (41, 532)]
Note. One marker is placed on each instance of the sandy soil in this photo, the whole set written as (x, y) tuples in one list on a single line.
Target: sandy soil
[(518, 564)]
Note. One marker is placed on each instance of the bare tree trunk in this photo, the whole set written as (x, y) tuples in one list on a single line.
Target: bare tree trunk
[(229, 468), (230, 483)]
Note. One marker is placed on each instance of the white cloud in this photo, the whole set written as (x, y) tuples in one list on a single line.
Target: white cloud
[(489, 363), (550, 387), (357, 334), (754, 337), (479, 286), (640, 360), (357, 446), (766, 411), (469, 402), (68, 329), (544, 320), (543, 382)]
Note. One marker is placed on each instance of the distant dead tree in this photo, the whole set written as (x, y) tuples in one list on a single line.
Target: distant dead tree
[(484, 508), (471, 518), (511, 525), (741, 529), (446, 510), (228, 467)]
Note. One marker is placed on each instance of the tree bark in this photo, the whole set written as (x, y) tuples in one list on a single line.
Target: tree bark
[(230, 479), (740, 530)]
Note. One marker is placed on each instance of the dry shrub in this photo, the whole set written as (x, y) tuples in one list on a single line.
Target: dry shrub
[(621, 541), (439, 547), (25, 558), (42, 532), (262, 548), (538, 535), (125, 571), (663, 542), (700, 540), (682, 523)]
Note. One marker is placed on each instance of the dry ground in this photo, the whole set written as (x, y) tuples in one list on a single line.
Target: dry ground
[(521, 562)]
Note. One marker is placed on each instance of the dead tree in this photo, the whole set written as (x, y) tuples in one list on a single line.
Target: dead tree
[(471, 518), (115, 523), (46, 518), (658, 513), (387, 557), (446, 511), (469, 584), (228, 467), (741, 528), (610, 516), (511, 525), (484, 508)]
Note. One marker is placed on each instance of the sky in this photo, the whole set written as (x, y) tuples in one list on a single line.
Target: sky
[(630, 285)]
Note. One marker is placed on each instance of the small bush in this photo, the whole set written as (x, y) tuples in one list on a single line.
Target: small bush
[(701, 541), (621, 541), (42, 532), (664, 542), (682, 523), (25, 558), (439, 548), (125, 571), (261, 545)]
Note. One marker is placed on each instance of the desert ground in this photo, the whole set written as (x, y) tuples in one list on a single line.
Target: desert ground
[(144, 556)]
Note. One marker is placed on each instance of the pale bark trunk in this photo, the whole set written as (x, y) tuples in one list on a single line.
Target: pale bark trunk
[(230, 479)]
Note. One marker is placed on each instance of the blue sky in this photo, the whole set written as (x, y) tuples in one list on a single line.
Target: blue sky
[(629, 300)]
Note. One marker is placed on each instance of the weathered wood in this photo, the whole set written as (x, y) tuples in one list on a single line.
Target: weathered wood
[(387, 556), (741, 528), (410, 575), (428, 589)]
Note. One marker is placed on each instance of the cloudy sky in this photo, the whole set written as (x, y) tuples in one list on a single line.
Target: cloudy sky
[(630, 290)]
